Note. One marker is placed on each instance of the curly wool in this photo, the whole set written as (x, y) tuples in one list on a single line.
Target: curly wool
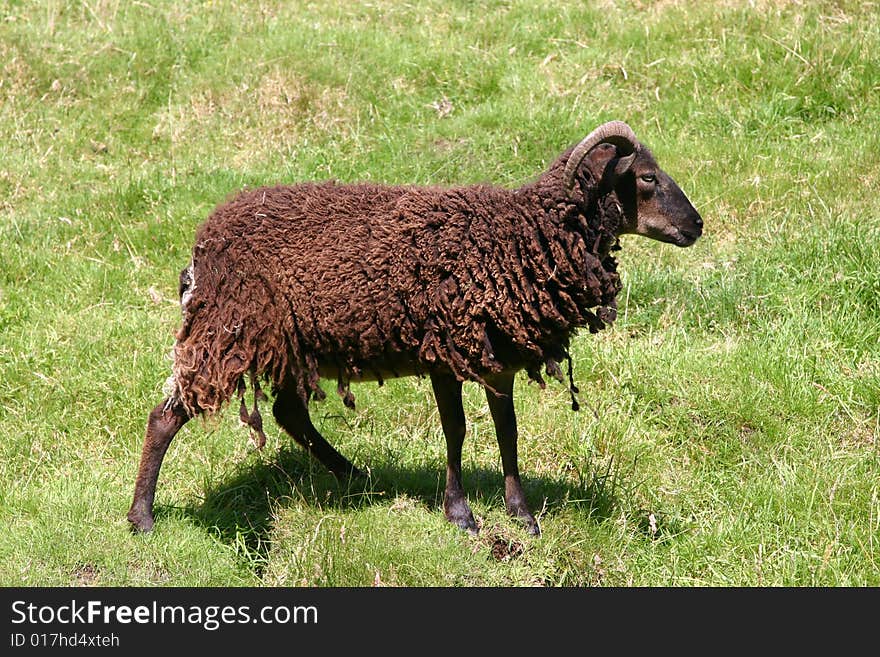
[(370, 281)]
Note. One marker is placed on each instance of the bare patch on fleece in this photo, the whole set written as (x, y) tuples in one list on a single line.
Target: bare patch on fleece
[(187, 285)]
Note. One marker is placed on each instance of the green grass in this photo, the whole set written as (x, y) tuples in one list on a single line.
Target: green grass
[(729, 431)]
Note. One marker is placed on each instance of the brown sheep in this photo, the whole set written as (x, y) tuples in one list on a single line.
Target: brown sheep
[(291, 284)]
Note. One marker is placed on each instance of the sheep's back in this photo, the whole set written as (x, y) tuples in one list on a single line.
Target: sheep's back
[(351, 263)]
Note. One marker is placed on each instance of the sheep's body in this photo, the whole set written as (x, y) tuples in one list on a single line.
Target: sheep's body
[(290, 284), (367, 282)]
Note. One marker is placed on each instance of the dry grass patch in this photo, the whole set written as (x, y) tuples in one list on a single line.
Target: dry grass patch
[(250, 122)]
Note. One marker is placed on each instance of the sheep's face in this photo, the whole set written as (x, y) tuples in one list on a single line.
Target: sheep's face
[(654, 205)]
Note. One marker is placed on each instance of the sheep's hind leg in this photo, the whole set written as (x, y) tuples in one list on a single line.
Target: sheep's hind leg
[(447, 393), (292, 414), (504, 417), (164, 422)]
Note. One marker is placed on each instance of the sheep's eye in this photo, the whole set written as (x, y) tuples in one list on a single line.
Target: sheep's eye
[(649, 178)]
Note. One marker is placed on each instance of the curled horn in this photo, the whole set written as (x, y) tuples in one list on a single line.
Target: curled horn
[(617, 133)]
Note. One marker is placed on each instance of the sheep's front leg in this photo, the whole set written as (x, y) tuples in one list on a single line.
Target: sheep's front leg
[(164, 422), (504, 417), (447, 393), (292, 414)]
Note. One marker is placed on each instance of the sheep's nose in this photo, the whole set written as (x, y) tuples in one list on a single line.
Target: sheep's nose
[(699, 221)]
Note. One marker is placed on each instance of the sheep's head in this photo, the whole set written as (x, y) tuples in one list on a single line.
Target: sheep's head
[(653, 204)]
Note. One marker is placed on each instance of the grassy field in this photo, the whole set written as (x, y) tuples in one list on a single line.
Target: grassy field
[(729, 431)]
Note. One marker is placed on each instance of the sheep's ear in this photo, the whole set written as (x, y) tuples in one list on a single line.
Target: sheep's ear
[(624, 164), (604, 164)]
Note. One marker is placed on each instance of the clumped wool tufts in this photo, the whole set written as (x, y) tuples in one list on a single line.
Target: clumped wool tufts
[(369, 281)]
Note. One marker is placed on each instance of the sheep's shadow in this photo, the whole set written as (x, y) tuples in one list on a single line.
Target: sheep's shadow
[(240, 510)]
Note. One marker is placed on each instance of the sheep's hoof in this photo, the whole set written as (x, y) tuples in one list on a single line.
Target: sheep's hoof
[(527, 519), (140, 523), (140, 515), (467, 524), (461, 516), (532, 526)]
